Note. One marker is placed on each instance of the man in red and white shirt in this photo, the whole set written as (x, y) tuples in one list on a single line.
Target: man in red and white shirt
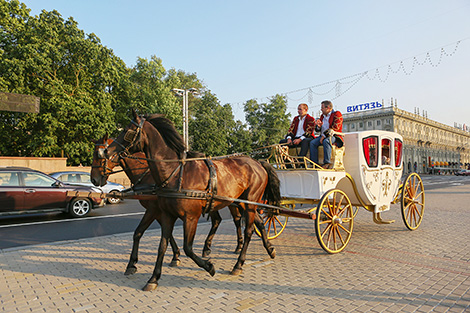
[(329, 120), (301, 130)]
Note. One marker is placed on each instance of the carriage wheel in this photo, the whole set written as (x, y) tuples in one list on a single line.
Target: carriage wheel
[(274, 224), (412, 201), (334, 221)]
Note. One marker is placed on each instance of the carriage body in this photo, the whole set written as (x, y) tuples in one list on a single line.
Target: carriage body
[(374, 161), (371, 176)]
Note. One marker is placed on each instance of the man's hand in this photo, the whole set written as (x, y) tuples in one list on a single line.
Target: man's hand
[(318, 122), (289, 141), (297, 141), (321, 139)]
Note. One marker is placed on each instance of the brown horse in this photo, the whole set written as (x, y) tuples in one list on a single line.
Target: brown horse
[(137, 170), (186, 188)]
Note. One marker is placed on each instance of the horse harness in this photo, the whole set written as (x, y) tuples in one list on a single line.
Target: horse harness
[(162, 190)]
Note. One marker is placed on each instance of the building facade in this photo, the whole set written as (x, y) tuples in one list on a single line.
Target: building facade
[(428, 147)]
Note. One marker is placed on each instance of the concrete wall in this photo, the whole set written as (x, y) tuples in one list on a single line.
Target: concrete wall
[(49, 165)]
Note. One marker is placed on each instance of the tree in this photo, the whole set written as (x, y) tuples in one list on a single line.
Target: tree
[(72, 73), (268, 122), (210, 125)]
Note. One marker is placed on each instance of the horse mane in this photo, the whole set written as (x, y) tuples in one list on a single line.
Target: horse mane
[(171, 136)]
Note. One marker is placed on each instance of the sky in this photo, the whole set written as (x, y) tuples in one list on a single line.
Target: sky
[(308, 50)]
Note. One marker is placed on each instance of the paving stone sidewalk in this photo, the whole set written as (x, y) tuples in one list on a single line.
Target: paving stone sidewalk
[(385, 268)]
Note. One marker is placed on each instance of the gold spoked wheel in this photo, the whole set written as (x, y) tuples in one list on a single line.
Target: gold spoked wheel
[(274, 223), (334, 221), (412, 201)]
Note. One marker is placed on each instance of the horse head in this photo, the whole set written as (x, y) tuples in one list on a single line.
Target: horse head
[(101, 166), (127, 142)]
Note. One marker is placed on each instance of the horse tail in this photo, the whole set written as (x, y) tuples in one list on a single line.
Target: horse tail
[(272, 193)]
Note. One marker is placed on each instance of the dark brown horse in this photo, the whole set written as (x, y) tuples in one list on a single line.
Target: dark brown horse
[(137, 170), (184, 186)]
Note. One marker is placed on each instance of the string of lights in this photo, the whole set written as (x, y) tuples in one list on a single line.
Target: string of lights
[(352, 80)]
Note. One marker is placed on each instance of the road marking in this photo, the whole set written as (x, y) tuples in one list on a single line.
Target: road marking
[(72, 219)]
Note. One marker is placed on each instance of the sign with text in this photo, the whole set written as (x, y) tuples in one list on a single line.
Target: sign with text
[(364, 106), (14, 102)]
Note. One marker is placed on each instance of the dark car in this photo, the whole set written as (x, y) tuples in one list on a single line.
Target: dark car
[(23, 190), (463, 173)]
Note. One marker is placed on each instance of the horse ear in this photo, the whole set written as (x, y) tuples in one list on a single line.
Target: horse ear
[(134, 115), (105, 138)]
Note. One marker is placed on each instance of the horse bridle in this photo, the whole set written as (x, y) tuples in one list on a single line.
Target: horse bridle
[(131, 136)]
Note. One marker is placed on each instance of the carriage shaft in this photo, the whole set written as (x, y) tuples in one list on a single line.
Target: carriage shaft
[(290, 213)]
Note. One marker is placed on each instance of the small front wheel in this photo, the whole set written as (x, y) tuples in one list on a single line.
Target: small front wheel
[(412, 201), (334, 221), (273, 223), (80, 207)]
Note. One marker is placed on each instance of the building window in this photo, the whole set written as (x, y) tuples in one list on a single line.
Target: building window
[(352, 126), (369, 124), (361, 124), (378, 123)]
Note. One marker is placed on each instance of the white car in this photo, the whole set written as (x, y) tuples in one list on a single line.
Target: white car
[(83, 179)]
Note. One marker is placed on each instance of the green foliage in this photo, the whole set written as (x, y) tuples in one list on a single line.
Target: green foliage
[(209, 126), (72, 73), (87, 91), (268, 122)]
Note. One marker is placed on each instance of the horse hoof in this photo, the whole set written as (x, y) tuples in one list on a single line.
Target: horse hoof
[(150, 287), (175, 263), (272, 254), (130, 271), (236, 272), (210, 268)]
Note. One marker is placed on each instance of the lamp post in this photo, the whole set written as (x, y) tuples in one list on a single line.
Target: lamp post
[(184, 94)]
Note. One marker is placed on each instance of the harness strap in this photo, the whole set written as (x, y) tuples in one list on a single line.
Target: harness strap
[(192, 194), (211, 188), (165, 183)]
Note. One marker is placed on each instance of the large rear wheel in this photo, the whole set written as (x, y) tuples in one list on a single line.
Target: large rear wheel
[(334, 221), (412, 201)]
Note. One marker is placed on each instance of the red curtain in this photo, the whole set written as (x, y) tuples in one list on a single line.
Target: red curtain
[(398, 152), (369, 145)]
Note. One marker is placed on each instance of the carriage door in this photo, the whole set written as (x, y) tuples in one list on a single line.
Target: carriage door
[(386, 176)]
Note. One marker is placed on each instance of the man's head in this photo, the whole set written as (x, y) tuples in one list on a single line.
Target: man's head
[(302, 109), (326, 107)]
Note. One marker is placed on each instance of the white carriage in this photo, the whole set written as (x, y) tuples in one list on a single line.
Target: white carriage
[(367, 173)]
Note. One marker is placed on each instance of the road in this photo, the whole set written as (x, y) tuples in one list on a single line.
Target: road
[(19, 231)]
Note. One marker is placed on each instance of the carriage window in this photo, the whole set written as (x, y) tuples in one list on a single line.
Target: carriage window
[(369, 145), (398, 152), (386, 143)]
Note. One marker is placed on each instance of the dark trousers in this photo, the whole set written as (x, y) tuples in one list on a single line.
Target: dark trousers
[(304, 145)]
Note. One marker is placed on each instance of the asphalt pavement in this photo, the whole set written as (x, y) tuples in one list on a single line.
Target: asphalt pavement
[(385, 268)]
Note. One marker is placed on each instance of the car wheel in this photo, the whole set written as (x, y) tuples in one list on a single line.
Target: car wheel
[(114, 200), (80, 207)]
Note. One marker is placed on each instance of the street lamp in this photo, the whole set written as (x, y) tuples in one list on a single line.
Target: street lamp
[(184, 93)]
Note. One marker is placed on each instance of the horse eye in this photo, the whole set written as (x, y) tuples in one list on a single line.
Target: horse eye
[(101, 153)]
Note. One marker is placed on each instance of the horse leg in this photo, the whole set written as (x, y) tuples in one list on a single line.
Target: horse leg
[(215, 220), (146, 221), (189, 226), (237, 218), (167, 224), (264, 236), (249, 220), (176, 253)]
